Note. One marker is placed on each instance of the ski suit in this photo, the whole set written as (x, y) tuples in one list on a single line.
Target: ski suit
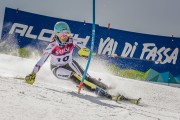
[(62, 64)]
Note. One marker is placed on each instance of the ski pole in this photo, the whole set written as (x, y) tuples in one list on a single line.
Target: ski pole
[(91, 50)]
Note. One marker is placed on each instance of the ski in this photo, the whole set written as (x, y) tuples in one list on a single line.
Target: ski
[(101, 92), (120, 98)]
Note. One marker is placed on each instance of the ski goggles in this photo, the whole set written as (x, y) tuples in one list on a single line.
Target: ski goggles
[(64, 34)]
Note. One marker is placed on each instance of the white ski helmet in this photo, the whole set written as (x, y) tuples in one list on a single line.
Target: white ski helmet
[(60, 27)]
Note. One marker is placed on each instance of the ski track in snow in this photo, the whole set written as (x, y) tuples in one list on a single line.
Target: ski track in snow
[(53, 99)]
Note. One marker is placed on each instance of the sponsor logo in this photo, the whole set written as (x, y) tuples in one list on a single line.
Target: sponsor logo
[(150, 51), (26, 31), (59, 51), (66, 76)]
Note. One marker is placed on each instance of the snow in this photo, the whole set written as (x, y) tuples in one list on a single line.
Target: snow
[(53, 99)]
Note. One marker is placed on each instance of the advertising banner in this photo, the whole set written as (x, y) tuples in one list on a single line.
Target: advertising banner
[(134, 55)]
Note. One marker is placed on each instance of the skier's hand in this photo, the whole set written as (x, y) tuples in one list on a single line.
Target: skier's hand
[(84, 52), (30, 79)]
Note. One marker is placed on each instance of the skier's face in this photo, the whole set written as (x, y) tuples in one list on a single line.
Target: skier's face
[(64, 36)]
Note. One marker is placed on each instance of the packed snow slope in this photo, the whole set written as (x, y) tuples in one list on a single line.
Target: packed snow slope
[(53, 99)]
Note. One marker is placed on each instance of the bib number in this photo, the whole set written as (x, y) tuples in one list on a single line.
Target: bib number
[(63, 59)]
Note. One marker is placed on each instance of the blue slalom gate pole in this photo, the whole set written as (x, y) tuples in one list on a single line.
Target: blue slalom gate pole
[(91, 50)]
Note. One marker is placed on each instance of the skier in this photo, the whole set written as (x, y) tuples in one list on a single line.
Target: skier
[(63, 65)]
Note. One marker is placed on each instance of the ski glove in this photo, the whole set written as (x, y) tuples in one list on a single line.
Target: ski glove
[(84, 52), (30, 79)]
